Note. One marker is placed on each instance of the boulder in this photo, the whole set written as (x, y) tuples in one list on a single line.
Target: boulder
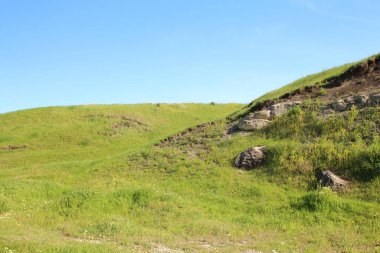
[(329, 179), (281, 108), (374, 99), (248, 124), (250, 158), (360, 100), (339, 105), (349, 100)]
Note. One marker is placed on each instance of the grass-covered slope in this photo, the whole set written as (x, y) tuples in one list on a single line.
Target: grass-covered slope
[(283, 206), (56, 134), (89, 179)]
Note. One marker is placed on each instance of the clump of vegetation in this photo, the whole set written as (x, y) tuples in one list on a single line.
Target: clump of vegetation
[(346, 143), (140, 198), (320, 200), (322, 91)]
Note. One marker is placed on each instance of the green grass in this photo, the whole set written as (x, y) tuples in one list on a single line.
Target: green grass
[(147, 197), (60, 134), (310, 80)]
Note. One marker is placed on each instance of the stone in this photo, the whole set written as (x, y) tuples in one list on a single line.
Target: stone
[(329, 179), (374, 99), (281, 108), (250, 116), (360, 100), (247, 124), (349, 102), (263, 114), (339, 105), (250, 158)]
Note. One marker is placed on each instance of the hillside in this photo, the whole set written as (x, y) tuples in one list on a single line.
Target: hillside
[(145, 178), (75, 133), (311, 84), (328, 124)]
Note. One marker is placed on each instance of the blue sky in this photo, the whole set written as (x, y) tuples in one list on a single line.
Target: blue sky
[(126, 51)]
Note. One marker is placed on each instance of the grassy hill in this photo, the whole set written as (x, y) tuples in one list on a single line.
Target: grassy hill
[(60, 134), (90, 179)]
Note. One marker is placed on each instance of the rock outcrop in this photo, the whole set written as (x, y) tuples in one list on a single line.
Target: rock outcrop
[(339, 105), (261, 119), (374, 99), (359, 100), (263, 114), (250, 158), (329, 179), (254, 121), (281, 108), (247, 124)]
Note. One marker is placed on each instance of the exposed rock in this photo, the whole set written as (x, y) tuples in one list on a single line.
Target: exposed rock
[(374, 99), (281, 108), (260, 119), (263, 114), (339, 105), (250, 115), (329, 179), (250, 158), (247, 124), (349, 100), (360, 100), (278, 109), (250, 122)]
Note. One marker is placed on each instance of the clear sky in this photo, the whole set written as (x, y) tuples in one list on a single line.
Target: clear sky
[(69, 52)]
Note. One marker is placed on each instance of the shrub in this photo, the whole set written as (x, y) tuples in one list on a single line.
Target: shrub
[(322, 92), (322, 199), (364, 164)]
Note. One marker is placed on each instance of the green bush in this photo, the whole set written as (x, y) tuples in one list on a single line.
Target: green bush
[(322, 92), (364, 164), (317, 201), (298, 124)]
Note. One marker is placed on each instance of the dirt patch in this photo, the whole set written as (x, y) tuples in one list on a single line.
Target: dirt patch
[(129, 122), (194, 141), (82, 240), (185, 133), (162, 248), (122, 122), (13, 147), (86, 240)]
